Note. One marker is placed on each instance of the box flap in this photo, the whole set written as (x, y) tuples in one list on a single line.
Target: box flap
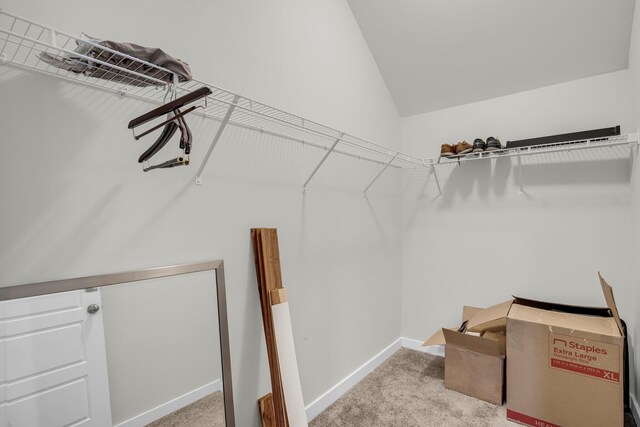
[(469, 312), (437, 338), (493, 318), (472, 343), (611, 302)]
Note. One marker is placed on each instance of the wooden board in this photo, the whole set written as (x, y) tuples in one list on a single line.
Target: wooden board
[(278, 296), (265, 408), (267, 259)]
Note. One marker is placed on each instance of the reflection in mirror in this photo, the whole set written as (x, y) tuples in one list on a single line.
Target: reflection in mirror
[(151, 350), (162, 346)]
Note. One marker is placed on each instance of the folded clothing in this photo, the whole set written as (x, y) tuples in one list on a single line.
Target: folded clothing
[(82, 65)]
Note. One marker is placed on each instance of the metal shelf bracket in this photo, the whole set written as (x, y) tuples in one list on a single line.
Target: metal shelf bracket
[(324, 158), (520, 175), (216, 138), (435, 175), (633, 154), (364, 193)]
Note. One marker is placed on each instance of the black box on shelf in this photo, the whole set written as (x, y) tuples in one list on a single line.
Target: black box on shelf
[(575, 136)]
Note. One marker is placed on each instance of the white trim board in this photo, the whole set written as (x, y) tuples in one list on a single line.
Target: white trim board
[(635, 409), (334, 393), (160, 411)]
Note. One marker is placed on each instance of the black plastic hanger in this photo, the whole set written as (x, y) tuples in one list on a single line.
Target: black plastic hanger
[(171, 106), (175, 121)]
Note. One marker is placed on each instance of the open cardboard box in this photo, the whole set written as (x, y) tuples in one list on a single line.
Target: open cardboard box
[(564, 364), (474, 362)]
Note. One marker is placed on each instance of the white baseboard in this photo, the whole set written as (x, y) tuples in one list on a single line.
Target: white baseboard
[(436, 350), (172, 405), (335, 392), (635, 408)]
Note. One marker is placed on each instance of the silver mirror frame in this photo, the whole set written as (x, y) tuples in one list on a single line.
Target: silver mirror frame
[(55, 286)]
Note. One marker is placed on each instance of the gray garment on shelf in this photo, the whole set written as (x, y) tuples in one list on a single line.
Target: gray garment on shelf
[(156, 56)]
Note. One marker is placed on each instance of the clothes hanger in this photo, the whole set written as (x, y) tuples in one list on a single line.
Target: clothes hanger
[(166, 122), (175, 121), (197, 94), (166, 135)]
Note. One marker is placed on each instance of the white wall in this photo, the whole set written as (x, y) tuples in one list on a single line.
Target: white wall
[(634, 71), (162, 340), (482, 242), (76, 203)]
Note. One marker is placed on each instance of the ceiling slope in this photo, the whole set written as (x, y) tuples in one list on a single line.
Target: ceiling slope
[(435, 54)]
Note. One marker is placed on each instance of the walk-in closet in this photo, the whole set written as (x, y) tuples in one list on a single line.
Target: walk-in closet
[(304, 213)]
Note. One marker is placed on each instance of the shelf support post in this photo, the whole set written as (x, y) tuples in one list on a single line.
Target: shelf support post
[(380, 173), (633, 154), (216, 138), (520, 175), (304, 186), (435, 175)]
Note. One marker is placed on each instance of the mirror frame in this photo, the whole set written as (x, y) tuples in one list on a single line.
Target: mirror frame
[(56, 286)]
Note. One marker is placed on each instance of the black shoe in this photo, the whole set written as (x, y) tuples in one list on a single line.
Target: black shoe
[(493, 144), (479, 145)]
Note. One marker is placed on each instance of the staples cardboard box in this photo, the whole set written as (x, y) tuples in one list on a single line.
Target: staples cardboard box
[(564, 364), (474, 362)]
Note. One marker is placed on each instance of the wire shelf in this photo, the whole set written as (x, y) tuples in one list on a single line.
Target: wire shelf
[(536, 150), (30, 45)]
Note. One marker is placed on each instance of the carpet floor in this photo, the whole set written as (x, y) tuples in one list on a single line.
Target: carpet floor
[(206, 412), (407, 390)]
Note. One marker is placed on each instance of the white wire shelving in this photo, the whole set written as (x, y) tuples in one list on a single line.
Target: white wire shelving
[(23, 42), (601, 144), (533, 150)]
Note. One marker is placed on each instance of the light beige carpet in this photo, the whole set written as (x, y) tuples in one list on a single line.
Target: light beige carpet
[(206, 412), (405, 391), (408, 390)]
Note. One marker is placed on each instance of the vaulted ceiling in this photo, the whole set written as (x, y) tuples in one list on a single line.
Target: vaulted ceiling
[(435, 54)]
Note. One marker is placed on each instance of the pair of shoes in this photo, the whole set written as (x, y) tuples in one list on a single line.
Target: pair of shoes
[(492, 144), (460, 148)]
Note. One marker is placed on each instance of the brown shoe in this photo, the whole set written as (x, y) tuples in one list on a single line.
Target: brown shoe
[(463, 147), (447, 150)]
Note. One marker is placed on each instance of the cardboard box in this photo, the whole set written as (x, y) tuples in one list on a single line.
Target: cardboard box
[(474, 363), (565, 363)]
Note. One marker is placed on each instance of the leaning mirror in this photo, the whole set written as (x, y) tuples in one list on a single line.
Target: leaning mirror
[(141, 348)]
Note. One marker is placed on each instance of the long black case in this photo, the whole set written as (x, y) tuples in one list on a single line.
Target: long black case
[(575, 136)]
